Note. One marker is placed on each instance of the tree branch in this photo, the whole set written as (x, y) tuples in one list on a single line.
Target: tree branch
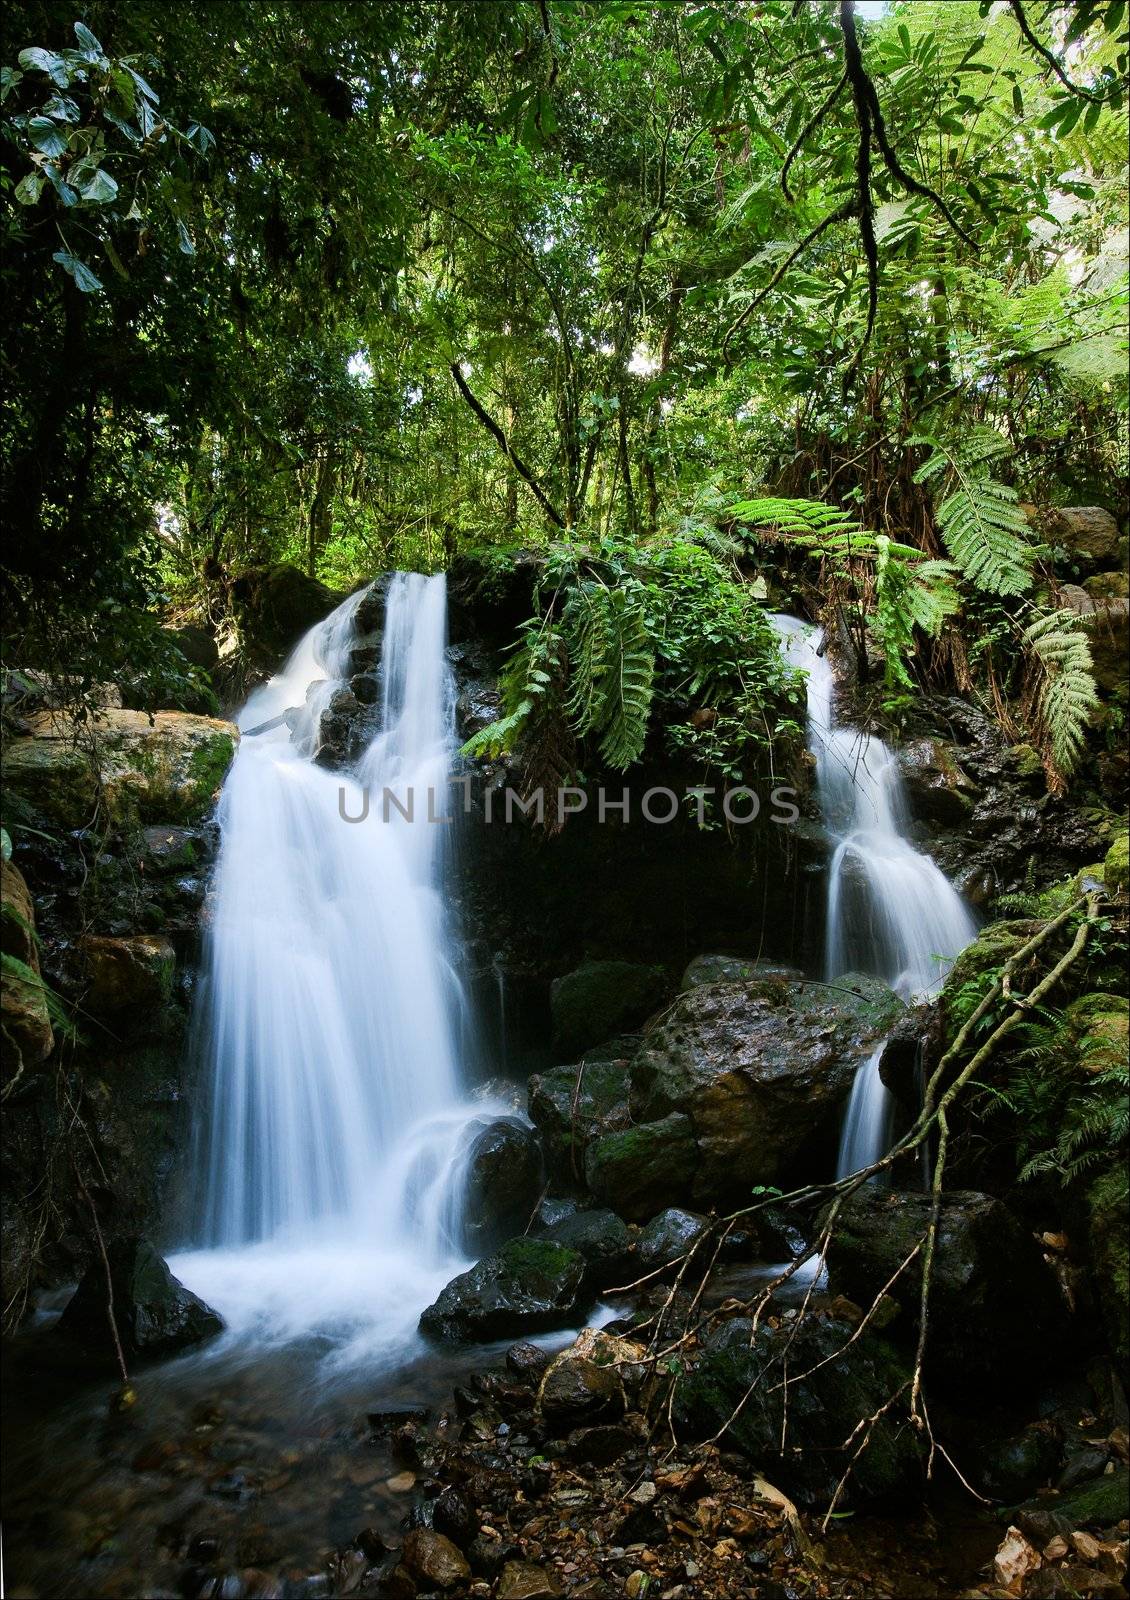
[(506, 447)]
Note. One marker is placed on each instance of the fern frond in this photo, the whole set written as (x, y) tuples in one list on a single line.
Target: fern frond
[(984, 528), (1067, 696)]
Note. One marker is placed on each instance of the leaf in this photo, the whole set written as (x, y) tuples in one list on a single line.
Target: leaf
[(29, 188), (47, 136), (200, 138), (36, 60), (99, 188), (184, 239), (5, 845), (10, 79), (78, 270), (87, 39)]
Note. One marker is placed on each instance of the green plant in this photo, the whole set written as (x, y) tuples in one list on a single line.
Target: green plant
[(984, 528)]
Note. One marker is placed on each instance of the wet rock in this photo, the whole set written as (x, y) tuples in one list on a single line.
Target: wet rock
[(433, 1560), (155, 1314), (523, 1580), (1108, 633), (1069, 1581), (601, 1237), (846, 1381), (454, 1516), (169, 850), (601, 998), (637, 1170), (1116, 867), (736, 969), (579, 1387), (503, 1184), (669, 1236), (762, 1070), (995, 1311), (1014, 1560), (165, 767), (602, 1445), (527, 1284), (127, 974), (341, 730), (388, 1419), (23, 1000), (1017, 1466), (527, 1361), (939, 789), (1082, 1467), (1098, 1504), (570, 1106)]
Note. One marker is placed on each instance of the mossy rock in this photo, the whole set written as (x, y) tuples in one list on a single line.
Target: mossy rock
[(644, 1167), (1116, 867), (163, 768), (1108, 1231), (570, 1106), (601, 998), (526, 1286), (1100, 1027)]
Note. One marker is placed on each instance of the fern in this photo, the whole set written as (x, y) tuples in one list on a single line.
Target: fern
[(909, 594), (809, 520), (613, 668), (1066, 696), (985, 531)]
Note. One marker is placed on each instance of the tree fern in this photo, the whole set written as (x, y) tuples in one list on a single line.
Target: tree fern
[(910, 592), (983, 526), (1066, 696), (809, 520)]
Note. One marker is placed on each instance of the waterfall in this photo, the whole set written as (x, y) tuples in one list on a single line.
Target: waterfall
[(332, 1008), (891, 911)]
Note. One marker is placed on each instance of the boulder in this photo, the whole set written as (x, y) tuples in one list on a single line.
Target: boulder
[(167, 850), (996, 1315), (735, 969), (1009, 1469), (23, 998), (577, 1389), (127, 974), (196, 644), (155, 1314), (637, 1170), (938, 788), (802, 1446), (434, 1561), (1108, 633), (503, 1184), (669, 1236), (525, 1580), (1088, 533), (570, 1106), (602, 998), (275, 605), (761, 1070), (528, 1284), (1116, 868), (165, 767), (601, 1237)]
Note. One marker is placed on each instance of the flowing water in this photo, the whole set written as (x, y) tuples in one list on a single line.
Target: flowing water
[(333, 1013), (891, 911)]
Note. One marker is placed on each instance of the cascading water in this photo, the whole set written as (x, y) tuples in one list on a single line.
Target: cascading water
[(333, 1009), (891, 911)]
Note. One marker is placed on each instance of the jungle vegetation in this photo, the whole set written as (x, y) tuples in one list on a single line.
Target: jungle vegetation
[(683, 296)]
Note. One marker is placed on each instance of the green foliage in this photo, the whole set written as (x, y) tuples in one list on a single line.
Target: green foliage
[(1066, 697), (984, 528)]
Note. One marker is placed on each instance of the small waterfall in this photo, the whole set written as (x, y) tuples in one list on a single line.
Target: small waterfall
[(333, 1008), (891, 911)]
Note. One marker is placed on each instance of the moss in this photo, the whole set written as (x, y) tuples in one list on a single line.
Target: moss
[(1026, 760), (1098, 1504), (643, 1168), (538, 1261), (208, 765), (1116, 867)]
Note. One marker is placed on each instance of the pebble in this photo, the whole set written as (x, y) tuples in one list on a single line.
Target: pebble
[(644, 1493), (402, 1483)]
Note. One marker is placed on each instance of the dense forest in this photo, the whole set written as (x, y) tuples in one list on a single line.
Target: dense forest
[(755, 374)]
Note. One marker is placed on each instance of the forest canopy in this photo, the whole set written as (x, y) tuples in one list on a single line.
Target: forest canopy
[(682, 295)]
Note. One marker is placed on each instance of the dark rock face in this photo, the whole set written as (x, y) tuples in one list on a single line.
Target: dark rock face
[(601, 1237), (761, 1070), (635, 1171), (503, 1184), (822, 1412), (600, 999), (669, 1236), (938, 788), (571, 1106), (1017, 1466), (127, 974), (996, 1315), (275, 606), (528, 1285), (155, 1314)]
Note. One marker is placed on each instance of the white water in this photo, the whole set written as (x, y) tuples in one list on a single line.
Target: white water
[(334, 1011), (891, 911)]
